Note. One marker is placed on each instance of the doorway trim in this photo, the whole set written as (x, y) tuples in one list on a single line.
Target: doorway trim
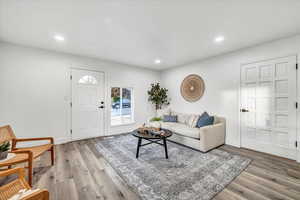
[(93, 69), (297, 100)]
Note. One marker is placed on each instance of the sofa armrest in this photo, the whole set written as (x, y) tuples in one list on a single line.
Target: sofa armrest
[(212, 136)]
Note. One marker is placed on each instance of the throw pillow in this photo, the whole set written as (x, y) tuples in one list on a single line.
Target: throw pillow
[(162, 112), (181, 118), (192, 121), (205, 120), (170, 118)]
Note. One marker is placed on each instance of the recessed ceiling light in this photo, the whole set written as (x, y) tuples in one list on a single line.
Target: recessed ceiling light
[(59, 38), (219, 39), (157, 61)]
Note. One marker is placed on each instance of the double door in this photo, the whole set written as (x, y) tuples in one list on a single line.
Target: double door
[(268, 106)]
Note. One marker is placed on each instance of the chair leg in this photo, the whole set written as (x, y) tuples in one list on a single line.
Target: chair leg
[(52, 156), (30, 172)]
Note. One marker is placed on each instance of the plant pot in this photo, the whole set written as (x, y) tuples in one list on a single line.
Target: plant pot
[(3, 155)]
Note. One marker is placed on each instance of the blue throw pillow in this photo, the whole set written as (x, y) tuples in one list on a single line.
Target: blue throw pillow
[(170, 118), (205, 120)]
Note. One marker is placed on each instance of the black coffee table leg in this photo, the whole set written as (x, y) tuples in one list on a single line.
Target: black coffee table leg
[(138, 147), (166, 148)]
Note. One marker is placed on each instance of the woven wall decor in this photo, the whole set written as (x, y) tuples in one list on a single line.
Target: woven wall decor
[(192, 88)]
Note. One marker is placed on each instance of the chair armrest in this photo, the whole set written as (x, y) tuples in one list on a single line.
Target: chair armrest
[(19, 171), (18, 140), (212, 136), (34, 139), (30, 154)]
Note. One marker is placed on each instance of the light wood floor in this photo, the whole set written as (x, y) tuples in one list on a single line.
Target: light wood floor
[(80, 172)]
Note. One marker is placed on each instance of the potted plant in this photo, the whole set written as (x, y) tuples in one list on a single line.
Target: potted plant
[(155, 119), (158, 96), (4, 147)]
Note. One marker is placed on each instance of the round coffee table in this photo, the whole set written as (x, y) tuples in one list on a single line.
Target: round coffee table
[(152, 139)]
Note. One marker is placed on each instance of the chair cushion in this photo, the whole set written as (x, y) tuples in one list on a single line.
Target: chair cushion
[(38, 150), (182, 129), (205, 120)]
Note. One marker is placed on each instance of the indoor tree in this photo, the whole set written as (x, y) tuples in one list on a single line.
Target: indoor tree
[(158, 96)]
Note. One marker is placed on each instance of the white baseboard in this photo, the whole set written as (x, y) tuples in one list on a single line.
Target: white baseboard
[(61, 140), (235, 144)]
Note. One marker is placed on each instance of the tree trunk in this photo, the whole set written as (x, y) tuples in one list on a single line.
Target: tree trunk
[(157, 107)]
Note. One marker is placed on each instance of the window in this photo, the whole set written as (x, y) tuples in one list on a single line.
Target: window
[(88, 80), (121, 106)]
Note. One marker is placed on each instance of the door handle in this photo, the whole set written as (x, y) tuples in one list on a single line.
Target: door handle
[(101, 107), (244, 110)]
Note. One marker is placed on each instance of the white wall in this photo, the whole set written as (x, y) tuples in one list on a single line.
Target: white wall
[(222, 75), (35, 90)]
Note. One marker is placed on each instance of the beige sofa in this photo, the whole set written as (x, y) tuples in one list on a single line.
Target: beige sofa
[(186, 133)]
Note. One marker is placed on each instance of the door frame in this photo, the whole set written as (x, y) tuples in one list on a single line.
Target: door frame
[(297, 98), (92, 69)]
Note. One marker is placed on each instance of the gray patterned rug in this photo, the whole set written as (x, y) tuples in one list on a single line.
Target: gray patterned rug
[(187, 174)]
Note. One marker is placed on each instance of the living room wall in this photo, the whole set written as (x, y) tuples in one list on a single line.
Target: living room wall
[(35, 90), (222, 75)]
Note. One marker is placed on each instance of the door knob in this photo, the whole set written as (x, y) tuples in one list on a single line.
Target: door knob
[(244, 110)]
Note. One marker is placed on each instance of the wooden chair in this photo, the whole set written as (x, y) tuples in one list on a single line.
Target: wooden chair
[(12, 188), (7, 134)]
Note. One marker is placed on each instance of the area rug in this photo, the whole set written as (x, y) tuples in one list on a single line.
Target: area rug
[(187, 175)]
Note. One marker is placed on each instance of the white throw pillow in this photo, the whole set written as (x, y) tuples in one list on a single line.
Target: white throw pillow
[(162, 112), (192, 122), (181, 118)]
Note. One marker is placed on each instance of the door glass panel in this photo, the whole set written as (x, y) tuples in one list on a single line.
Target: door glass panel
[(88, 80)]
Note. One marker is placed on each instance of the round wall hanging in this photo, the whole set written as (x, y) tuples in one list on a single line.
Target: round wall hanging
[(192, 88)]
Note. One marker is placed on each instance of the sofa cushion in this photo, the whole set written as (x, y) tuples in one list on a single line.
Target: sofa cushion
[(170, 118), (182, 129), (205, 120)]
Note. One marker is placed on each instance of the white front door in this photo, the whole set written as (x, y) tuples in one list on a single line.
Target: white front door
[(87, 104), (268, 106)]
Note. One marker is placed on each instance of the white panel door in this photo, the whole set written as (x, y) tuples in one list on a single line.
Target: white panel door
[(87, 104), (268, 111)]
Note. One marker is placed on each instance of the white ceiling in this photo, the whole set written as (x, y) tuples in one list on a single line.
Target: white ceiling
[(137, 32)]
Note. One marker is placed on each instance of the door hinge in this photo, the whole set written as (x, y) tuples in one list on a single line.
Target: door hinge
[(296, 144), (296, 105), (71, 131), (71, 77), (71, 104), (296, 66)]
